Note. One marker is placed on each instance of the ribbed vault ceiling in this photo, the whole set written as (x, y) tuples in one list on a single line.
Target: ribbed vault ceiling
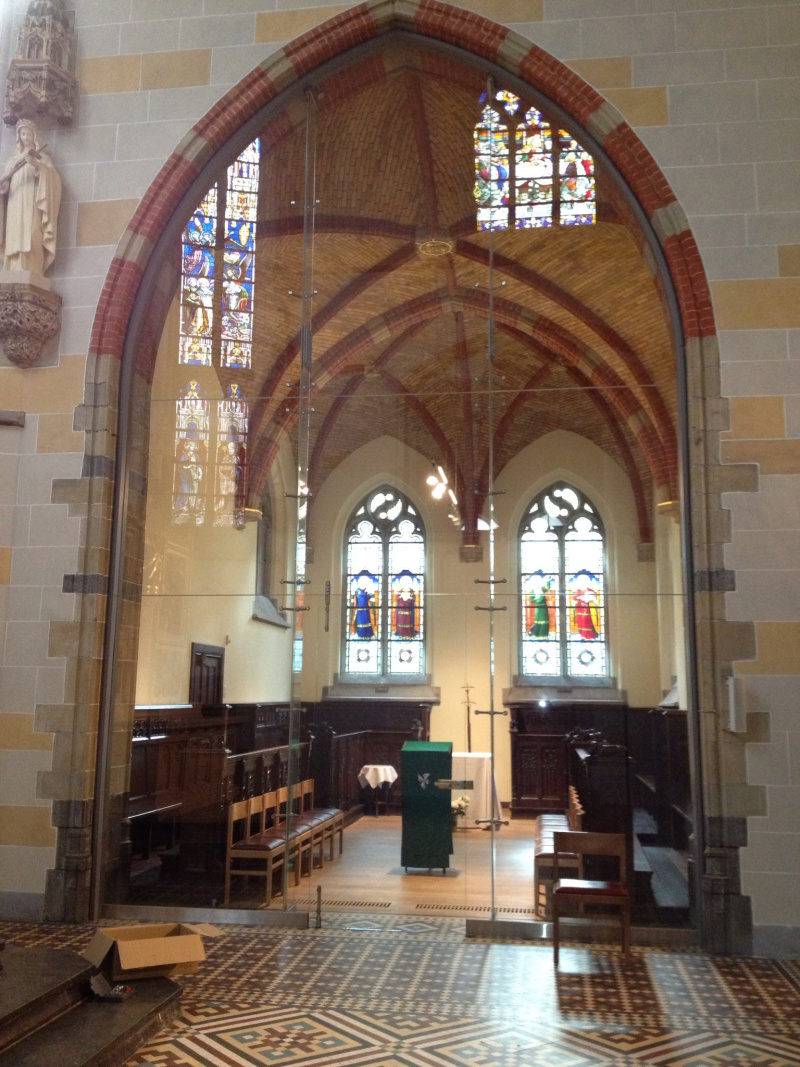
[(582, 339)]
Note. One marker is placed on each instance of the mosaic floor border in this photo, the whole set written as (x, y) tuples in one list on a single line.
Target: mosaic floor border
[(293, 1037), (416, 993)]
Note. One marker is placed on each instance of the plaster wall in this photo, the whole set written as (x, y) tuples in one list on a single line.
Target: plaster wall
[(200, 580), (458, 635)]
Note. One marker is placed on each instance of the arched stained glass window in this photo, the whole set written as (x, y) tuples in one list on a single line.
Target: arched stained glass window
[(216, 329), (562, 584), (192, 419), (211, 252), (384, 631), (524, 176)]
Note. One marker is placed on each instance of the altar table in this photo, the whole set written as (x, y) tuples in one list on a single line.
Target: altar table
[(378, 779), (375, 774), (477, 768)]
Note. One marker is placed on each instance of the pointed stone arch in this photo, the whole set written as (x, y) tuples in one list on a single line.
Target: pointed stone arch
[(133, 304)]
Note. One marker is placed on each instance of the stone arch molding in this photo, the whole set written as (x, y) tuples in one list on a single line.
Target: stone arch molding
[(136, 290), (434, 21)]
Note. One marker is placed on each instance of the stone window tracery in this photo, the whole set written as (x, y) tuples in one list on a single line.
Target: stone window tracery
[(563, 588), (384, 579)]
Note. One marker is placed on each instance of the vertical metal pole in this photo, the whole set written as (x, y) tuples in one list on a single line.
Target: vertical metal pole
[(304, 387), (490, 491)]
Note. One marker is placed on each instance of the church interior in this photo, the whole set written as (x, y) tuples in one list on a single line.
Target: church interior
[(411, 450), (399, 524)]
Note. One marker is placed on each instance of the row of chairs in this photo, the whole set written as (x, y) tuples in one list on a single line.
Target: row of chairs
[(270, 830)]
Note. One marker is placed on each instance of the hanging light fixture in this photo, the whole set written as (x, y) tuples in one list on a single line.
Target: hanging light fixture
[(438, 482), (440, 487)]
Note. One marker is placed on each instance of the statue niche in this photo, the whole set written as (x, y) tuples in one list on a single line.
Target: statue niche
[(41, 81)]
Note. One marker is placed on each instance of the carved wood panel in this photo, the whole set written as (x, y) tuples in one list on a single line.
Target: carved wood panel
[(538, 774)]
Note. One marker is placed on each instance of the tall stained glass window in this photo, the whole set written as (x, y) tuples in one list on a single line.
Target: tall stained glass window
[(241, 211), (562, 578), (192, 424), (226, 253), (527, 175), (216, 329), (384, 631), (231, 459)]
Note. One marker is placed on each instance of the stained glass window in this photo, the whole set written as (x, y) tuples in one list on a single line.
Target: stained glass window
[(231, 458), (197, 289), (562, 584), (192, 419), (216, 328), (211, 252), (524, 176), (384, 631), (241, 211)]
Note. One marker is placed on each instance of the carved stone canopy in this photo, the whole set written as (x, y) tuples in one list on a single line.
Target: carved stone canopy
[(41, 81), (30, 316)]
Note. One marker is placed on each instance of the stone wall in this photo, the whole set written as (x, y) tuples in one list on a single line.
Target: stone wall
[(712, 92)]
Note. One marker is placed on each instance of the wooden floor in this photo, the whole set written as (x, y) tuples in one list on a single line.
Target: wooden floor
[(368, 873)]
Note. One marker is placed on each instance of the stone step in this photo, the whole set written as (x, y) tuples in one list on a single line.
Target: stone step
[(36, 985), (70, 1031)]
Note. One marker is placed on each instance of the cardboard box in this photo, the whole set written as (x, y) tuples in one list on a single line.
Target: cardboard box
[(151, 950)]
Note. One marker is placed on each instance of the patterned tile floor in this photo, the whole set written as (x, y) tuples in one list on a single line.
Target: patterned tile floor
[(396, 991)]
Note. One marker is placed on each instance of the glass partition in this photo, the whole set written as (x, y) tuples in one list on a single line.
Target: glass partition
[(407, 472)]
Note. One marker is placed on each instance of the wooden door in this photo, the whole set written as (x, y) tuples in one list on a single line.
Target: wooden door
[(205, 679)]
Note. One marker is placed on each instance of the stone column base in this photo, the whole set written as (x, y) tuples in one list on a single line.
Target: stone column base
[(727, 920)]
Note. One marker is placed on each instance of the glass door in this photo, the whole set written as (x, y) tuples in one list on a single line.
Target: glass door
[(405, 472)]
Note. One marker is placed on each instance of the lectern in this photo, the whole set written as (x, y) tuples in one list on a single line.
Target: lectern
[(427, 829)]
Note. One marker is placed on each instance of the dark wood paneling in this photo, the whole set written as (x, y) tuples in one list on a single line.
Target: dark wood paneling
[(538, 774), (348, 734)]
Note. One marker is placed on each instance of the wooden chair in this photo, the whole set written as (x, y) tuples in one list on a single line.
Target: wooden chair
[(325, 823), (581, 891), (301, 834), (251, 840)]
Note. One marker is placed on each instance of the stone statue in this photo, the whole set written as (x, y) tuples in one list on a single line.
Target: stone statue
[(30, 196)]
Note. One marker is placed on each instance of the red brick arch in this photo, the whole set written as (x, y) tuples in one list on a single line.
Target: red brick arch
[(427, 19)]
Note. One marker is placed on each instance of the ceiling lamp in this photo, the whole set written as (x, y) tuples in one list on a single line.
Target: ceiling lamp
[(440, 487), (438, 482), (438, 244)]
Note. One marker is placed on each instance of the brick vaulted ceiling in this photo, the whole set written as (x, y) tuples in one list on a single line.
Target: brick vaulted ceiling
[(582, 339)]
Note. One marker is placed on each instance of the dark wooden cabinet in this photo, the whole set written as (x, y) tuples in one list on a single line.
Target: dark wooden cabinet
[(539, 752), (538, 774)]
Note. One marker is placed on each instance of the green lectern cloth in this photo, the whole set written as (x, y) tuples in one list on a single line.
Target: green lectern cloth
[(427, 829)]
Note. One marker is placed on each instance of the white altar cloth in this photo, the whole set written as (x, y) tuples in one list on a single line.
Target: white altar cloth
[(375, 774), (477, 768)]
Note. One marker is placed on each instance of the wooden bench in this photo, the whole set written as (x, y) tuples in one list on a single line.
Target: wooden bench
[(260, 839), (548, 824)]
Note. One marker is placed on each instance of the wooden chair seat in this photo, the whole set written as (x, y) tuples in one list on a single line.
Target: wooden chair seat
[(250, 839), (268, 839), (586, 891), (588, 888)]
